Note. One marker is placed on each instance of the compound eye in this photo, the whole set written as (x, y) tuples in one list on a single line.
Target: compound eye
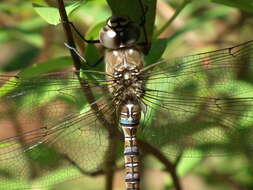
[(112, 23), (123, 21), (108, 38)]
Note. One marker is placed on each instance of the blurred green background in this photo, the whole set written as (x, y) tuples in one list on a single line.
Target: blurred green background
[(26, 39)]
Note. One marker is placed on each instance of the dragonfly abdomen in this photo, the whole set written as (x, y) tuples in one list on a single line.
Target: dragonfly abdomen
[(129, 121)]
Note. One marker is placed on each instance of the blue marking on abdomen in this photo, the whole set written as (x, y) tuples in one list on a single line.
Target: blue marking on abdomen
[(124, 121)]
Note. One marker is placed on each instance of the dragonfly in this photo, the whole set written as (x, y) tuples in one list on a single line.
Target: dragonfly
[(189, 106)]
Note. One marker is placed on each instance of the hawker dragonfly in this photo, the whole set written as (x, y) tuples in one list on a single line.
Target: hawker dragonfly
[(190, 106)]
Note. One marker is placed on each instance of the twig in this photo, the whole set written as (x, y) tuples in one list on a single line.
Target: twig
[(77, 64), (111, 163), (170, 167), (21, 139), (68, 33), (182, 6), (92, 174), (110, 126), (226, 179), (45, 53)]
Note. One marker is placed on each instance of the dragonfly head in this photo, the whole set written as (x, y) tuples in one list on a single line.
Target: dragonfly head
[(119, 32)]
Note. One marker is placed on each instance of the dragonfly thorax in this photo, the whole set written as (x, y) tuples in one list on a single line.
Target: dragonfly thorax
[(127, 75), (126, 84), (119, 32)]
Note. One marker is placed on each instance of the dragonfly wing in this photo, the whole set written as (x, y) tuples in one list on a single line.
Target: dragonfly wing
[(201, 102), (50, 127)]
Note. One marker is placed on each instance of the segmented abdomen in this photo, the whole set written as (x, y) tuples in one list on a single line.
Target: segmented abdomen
[(129, 121)]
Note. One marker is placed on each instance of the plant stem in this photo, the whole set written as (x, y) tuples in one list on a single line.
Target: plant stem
[(77, 64), (21, 140), (175, 179), (109, 126), (111, 163), (91, 174), (69, 35), (161, 30), (170, 167)]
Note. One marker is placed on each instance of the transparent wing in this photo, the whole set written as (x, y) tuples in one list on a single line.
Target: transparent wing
[(201, 104), (47, 125)]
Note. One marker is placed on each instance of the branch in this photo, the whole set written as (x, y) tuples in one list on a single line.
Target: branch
[(68, 33), (21, 140), (77, 64), (226, 179), (110, 162), (92, 174), (161, 30), (170, 167)]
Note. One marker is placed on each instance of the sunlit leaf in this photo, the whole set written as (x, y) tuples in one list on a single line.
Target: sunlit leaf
[(246, 5), (132, 9), (157, 49), (53, 64), (51, 14)]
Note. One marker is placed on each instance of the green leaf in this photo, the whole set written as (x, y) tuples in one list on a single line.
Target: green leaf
[(91, 52), (31, 25), (4, 37), (151, 111), (194, 23), (56, 177), (93, 32), (132, 9), (185, 166), (156, 51), (53, 64), (14, 185), (32, 38), (36, 69), (246, 5), (8, 86), (49, 158), (239, 89), (94, 11), (25, 31), (51, 14), (23, 59), (92, 56)]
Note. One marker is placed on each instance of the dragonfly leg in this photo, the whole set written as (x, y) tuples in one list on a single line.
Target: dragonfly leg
[(85, 40), (76, 52), (145, 44), (144, 11), (82, 58), (80, 35), (97, 62)]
